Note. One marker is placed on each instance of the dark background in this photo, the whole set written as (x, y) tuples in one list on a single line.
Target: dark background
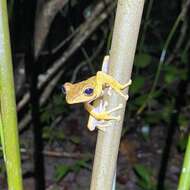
[(65, 40)]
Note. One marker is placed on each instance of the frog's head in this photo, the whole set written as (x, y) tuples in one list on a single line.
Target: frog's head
[(79, 92)]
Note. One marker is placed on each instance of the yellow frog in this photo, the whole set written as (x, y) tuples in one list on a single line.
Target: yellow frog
[(93, 89)]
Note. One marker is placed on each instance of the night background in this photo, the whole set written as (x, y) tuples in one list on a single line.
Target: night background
[(56, 41)]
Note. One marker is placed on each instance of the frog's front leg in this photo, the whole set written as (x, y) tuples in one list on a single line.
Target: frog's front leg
[(104, 115), (103, 78)]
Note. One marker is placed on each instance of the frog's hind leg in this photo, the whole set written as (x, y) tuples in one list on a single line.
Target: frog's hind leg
[(125, 96), (126, 85)]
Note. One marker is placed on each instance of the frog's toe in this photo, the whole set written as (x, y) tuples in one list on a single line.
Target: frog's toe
[(120, 106), (117, 118), (102, 128), (105, 104), (109, 91)]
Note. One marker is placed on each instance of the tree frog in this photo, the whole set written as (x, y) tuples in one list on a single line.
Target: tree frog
[(92, 90)]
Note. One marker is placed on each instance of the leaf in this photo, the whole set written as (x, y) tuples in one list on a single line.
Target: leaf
[(143, 173), (59, 105), (45, 117), (182, 143), (183, 74), (169, 78), (156, 94), (46, 132), (58, 100), (143, 185), (81, 164), (183, 121), (166, 112), (60, 135), (145, 177), (139, 100), (137, 84), (61, 171), (142, 60), (184, 57), (75, 139), (152, 117), (172, 73), (74, 3), (51, 133)]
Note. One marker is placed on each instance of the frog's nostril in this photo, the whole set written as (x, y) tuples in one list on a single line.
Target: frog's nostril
[(62, 89)]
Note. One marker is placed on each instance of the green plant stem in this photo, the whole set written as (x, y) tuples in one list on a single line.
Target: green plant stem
[(161, 61), (1, 136), (184, 182), (9, 130)]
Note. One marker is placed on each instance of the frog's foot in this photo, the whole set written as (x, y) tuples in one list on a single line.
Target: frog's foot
[(126, 85), (91, 126), (122, 88), (109, 91), (125, 96), (106, 59), (117, 118), (120, 106), (105, 104)]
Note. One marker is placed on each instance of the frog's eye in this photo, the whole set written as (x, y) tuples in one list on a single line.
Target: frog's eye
[(88, 91)]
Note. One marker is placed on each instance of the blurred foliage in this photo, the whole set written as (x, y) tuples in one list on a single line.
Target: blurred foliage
[(62, 169), (155, 30), (182, 143), (142, 60), (146, 181), (50, 134), (57, 106)]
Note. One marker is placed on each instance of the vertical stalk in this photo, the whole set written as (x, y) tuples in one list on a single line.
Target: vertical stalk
[(126, 29), (9, 131), (184, 182), (32, 72)]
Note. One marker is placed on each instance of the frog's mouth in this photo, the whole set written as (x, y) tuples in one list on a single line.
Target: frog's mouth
[(90, 101)]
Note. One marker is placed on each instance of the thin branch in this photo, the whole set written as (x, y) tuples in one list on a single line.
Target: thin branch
[(58, 154), (46, 12)]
